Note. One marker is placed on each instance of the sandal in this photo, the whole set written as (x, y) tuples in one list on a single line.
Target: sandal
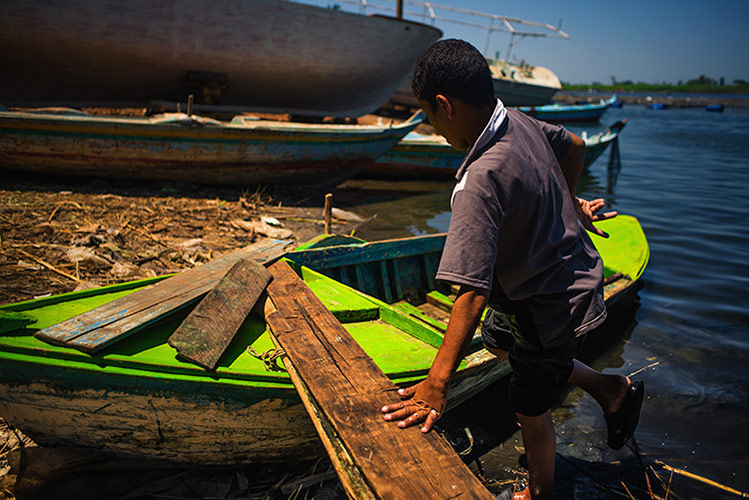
[(622, 423)]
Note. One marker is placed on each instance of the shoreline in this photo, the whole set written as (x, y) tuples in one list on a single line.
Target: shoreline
[(670, 99)]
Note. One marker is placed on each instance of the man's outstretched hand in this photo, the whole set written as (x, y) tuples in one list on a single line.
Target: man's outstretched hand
[(586, 212), (423, 402)]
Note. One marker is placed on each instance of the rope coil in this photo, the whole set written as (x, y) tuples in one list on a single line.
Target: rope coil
[(269, 358)]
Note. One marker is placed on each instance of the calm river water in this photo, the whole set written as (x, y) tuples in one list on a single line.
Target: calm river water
[(685, 175)]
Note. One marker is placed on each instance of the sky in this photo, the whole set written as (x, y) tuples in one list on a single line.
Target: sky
[(651, 41)]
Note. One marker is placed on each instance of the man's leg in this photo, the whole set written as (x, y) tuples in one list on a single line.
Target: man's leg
[(540, 450), (609, 390)]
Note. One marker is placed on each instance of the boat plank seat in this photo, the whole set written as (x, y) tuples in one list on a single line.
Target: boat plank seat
[(10, 320), (209, 329), (94, 330), (390, 270), (343, 390)]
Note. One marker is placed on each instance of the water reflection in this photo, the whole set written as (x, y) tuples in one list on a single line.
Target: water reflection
[(400, 208)]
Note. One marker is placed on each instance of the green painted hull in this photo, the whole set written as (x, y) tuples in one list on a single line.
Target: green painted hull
[(392, 270), (137, 398)]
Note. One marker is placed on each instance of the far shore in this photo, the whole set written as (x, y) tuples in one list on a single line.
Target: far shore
[(672, 99)]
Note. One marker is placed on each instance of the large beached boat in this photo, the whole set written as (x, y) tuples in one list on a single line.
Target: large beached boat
[(263, 55), (186, 147)]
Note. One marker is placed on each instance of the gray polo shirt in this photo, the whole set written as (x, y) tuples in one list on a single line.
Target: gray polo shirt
[(514, 230)]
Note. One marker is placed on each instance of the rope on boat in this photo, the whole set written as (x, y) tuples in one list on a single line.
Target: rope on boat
[(269, 358)]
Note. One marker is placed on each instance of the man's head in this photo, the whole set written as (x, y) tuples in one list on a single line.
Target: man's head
[(456, 69), (454, 87)]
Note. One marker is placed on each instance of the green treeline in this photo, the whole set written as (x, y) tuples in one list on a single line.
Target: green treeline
[(702, 84)]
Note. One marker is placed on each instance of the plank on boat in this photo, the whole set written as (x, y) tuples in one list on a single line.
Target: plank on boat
[(96, 329), (343, 390), (209, 329)]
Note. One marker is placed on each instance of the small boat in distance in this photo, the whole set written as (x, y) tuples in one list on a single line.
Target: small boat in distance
[(516, 84), (520, 84), (560, 113), (419, 156), (596, 144), (272, 56), (181, 147)]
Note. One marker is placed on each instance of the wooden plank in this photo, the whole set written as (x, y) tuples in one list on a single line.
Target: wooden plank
[(94, 330), (397, 278), (330, 257), (344, 389), (385, 282), (440, 300), (10, 320), (209, 329)]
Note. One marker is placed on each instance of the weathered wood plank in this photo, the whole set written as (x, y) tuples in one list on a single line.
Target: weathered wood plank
[(347, 389), (94, 330), (330, 257), (209, 329), (385, 282)]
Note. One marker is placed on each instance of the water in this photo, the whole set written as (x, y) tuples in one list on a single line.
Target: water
[(685, 175)]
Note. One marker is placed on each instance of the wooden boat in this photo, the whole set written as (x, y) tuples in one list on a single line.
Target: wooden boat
[(264, 55), (401, 272), (570, 112), (176, 146), (430, 156), (137, 398), (596, 144), (514, 83), (520, 84)]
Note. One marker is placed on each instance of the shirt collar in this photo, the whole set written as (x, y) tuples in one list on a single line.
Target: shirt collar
[(492, 127)]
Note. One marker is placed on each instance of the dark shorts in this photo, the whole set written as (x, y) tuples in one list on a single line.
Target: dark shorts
[(538, 374)]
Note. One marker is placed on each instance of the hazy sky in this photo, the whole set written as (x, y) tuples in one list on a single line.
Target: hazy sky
[(650, 41)]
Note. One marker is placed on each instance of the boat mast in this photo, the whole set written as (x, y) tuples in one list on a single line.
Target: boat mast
[(430, 13)]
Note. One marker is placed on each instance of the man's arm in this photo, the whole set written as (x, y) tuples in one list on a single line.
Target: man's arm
[(572, 168), (572, 163), (426, 400)]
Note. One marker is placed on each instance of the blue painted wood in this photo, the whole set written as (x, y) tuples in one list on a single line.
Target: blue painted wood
[(397, 279), (571, 112), (385, 269), (326, 258), (385, 282)]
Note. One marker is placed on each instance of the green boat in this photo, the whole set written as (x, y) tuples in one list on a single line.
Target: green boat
[(135, 397)]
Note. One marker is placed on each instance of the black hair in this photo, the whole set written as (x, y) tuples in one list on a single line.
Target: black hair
[(454, 68)]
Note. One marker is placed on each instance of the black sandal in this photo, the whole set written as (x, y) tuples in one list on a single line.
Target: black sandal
[(622, 423)]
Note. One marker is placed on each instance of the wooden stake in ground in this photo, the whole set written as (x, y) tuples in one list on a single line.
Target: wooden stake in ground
[(209, 329), (328, 212), (343, 391)]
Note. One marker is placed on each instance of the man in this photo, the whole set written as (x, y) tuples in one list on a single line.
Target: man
[(517, 242)]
